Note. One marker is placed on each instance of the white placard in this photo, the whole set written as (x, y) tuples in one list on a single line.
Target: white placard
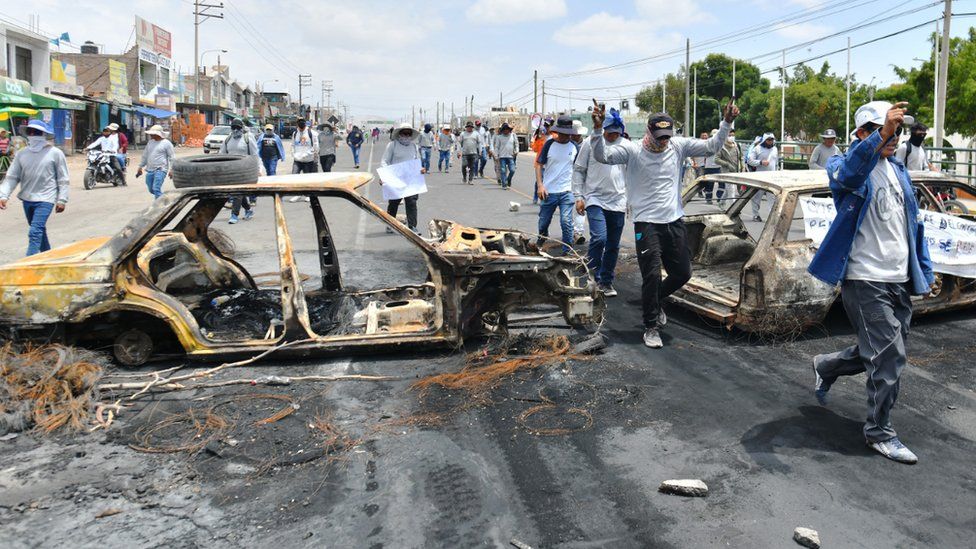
[(951, 240), (403, 179)]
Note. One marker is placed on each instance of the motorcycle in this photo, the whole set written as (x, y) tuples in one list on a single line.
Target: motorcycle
[(100, 170)]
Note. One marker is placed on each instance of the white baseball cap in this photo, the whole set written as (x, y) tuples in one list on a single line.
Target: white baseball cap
[(873, 112)]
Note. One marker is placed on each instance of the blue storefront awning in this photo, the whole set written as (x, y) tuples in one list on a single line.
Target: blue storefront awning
[(155, 113)]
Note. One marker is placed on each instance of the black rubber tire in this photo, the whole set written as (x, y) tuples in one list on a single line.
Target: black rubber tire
[(89, 180), (133, 347), (216, 170)]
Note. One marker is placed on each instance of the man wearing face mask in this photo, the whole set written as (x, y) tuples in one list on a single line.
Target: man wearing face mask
[(272, 150), (912, 154), (355, 141), (108, 143), (729, 160), (304, 148), (876, 251), (469, 144), (401, 149), (445, 144), (426, 143), (763, 158), (601, 193), (42, 173), (483, 154), (327, 146), (653, 175), (241, 143)]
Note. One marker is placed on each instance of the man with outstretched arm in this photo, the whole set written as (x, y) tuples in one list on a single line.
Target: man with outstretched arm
[(652, 171), (875, 249)]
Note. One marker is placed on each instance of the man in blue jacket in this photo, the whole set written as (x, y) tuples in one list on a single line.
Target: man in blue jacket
[(875, 249)]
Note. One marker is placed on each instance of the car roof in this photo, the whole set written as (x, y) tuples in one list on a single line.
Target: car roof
[(804, 180), (301, 182)]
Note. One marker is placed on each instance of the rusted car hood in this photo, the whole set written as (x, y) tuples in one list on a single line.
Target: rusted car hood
[(74, 263), (506, 245)]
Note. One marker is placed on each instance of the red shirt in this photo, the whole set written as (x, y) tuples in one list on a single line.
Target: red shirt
[(123, 143)]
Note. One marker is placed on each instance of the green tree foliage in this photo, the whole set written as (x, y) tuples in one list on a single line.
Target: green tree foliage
[(649, 98), (715, 77)]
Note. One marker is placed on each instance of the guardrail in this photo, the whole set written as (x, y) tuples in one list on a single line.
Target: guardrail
[(960, 162)]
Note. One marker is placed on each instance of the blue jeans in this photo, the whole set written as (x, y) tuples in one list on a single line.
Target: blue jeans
[(507, 169), (606, 226), (37, 214), (444, 159), (425, 158), (154, 182), (547, 208), (270, 165), (355, 154), (484, 160)]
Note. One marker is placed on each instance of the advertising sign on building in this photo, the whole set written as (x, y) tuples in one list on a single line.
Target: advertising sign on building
[(118, 83), (164, 102), (153, 38), (64, 78)]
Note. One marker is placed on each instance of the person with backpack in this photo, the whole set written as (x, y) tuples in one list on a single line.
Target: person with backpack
[(554, 181), (912, 154), (355, 141), (305, 148), (239, 142)]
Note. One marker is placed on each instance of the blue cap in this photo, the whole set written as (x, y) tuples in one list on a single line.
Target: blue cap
[(40, 125)]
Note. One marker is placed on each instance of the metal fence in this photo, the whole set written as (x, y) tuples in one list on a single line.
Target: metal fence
[(959, 162)]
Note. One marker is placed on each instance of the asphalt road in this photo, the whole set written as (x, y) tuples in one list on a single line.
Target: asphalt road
[(735, 411)]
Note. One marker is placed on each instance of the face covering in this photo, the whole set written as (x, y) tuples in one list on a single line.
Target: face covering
[(652, 145), (236, 132), (768, 145), (35, 143), (404, 140), (916, 139), (269, 133)]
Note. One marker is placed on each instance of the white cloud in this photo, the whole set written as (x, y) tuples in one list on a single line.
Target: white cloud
[(673, 12), (515, 11), (636, 36)]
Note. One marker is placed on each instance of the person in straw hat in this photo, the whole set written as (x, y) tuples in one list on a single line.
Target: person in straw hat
[(403, 148), (157, 158)]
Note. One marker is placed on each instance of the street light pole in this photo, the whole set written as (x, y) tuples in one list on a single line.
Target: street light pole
[(200, 11), (940, 90), (219, 51), (847, 117)]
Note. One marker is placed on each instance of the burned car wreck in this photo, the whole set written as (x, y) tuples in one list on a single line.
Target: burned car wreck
[(753, 275), (162, 285)]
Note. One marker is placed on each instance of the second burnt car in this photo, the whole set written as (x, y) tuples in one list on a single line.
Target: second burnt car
[(315, 271), (753, 275)]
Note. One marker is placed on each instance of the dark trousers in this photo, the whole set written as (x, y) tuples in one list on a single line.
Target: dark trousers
[(327, 160), (881, 313), (237, 202), (411, 205), (304, 167), (469, 167), (661, 244)]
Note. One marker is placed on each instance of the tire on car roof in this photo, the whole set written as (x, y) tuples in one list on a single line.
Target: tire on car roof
[(215, 170)]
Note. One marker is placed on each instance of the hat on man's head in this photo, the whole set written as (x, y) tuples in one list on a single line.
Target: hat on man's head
[(767, 136), (469, 124), (113, 126), (871, 113), (504, 127), (580, 128), (828, 134), (236, 123), (564, 125), (40, 125), (269, 127), (660, 125), (405, 126), (156, 130)]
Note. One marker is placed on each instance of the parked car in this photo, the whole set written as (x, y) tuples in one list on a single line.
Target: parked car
[(158, 285), (753, 276), (215, 138)]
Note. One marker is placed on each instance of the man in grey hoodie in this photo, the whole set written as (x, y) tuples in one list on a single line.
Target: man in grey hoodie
[(327, 146), (653, 177), (445, 144), (426, 143), (470, 145), (402, 148)]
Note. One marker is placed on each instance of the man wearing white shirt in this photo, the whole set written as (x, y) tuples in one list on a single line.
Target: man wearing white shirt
[(108, 143)]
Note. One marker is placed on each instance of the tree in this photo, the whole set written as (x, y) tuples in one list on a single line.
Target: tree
[(715, 77), (753, 106), (649, 98)]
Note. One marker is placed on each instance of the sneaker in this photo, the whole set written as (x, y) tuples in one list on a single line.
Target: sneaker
[(662, 319), (539, 242), (607, 290), (894, 450), (580, 239), (294, 199), (233, 219), (652, 338), (389, 230), (248, 214), (357, 166), (306, 199), (820, 385)]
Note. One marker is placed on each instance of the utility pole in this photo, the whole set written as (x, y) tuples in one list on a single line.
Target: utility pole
[(500, 104), (543, 97), (782, 110), (535, 91), (200, 14), (664, 94), (413, 116), (694, 118), (733, 77), (847, 111), (687, 84), (327, 95), (935, 99), (304, 81), (472, 106), (452, 114), (940, 90)]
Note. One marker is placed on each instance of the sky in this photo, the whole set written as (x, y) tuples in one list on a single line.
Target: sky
[(386, 57)]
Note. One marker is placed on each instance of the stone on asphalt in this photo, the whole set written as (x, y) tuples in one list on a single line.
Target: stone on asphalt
[(514, 206), (807, 537), (684, 487)]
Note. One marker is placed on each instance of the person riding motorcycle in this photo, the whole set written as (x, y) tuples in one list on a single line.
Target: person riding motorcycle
[(108, 143)]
